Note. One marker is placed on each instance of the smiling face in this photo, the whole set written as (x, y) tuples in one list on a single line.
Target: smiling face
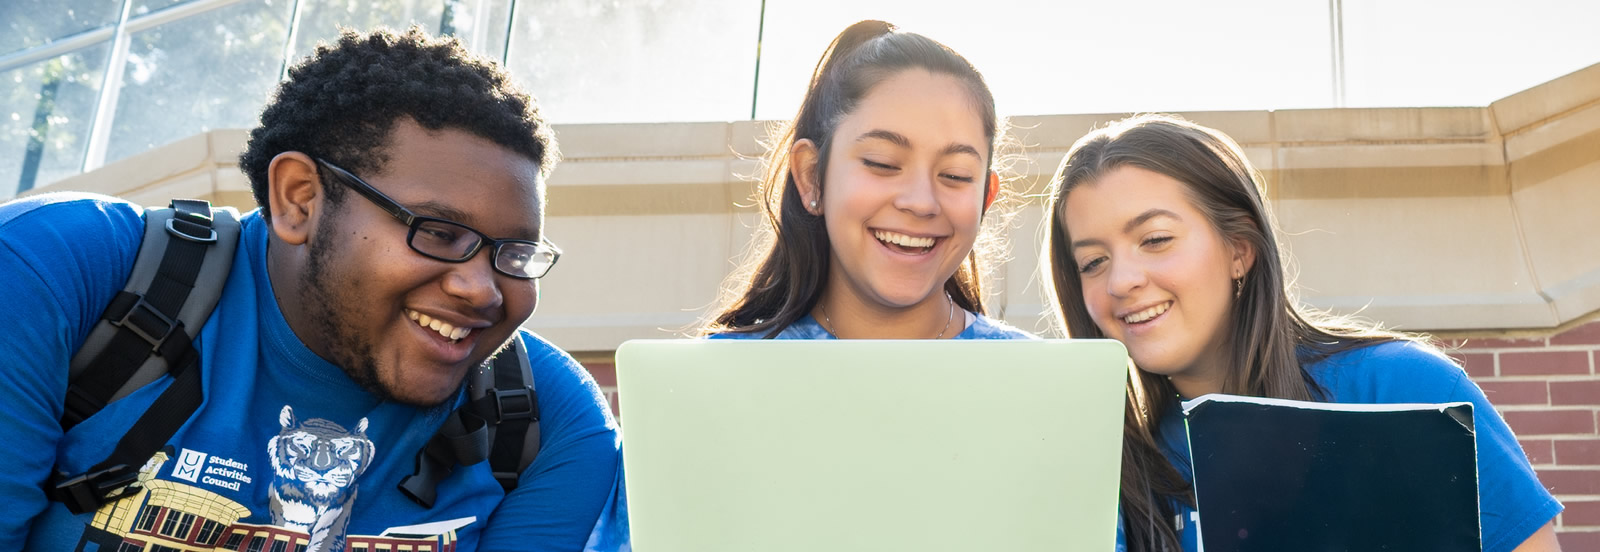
[(1156, 274), (405, 326), (902, 194)]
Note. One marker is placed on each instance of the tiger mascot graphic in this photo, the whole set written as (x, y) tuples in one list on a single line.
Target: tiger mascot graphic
[(315, 464)]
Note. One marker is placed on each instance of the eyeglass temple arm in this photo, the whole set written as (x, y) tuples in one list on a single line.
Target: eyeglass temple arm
[(382, 201)]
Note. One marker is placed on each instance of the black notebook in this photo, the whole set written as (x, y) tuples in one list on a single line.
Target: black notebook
[(1276, 475)]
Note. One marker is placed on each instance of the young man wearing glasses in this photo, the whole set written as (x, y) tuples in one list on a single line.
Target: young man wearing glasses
[(343, 336)]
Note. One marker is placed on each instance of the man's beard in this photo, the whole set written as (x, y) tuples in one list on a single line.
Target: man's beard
[(329, 309)]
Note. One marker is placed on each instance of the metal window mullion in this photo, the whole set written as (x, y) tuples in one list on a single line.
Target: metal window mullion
[(288, 43), (94, 36), (1336, 43), (511, 26), (55, 49), (174, 13), (110, 87)]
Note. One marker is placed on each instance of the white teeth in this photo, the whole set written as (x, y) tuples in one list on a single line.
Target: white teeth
[(902, 239), (1147, 314), (445, 329)]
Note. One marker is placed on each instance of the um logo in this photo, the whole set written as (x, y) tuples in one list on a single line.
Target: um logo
[(189, 465)]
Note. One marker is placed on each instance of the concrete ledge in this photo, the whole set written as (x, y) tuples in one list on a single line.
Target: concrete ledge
[(1447, 219), (1514, 113), (1445, 312)]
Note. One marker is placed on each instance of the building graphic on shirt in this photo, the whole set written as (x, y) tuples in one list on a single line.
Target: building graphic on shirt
[(167, 516), (163, 516)]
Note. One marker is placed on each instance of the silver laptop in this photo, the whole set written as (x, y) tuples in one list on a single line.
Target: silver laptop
[(744, 445)]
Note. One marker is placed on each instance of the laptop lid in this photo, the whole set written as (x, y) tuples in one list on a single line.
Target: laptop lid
[(872, 445)]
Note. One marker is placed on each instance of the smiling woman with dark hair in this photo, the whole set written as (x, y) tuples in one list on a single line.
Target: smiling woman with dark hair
[(874, 196)]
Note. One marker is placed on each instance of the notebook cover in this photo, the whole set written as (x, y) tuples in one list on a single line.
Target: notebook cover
[(1274, 475)]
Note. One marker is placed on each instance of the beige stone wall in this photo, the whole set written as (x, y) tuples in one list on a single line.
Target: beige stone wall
[(1475, 223), (1439, 219)]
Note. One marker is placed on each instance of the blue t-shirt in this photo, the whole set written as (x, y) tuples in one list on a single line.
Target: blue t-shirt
[(239, 470), (1512, 502), (611, 533)]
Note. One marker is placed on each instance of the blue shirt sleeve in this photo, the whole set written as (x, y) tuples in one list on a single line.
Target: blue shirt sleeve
[(563, 492), (611, 532), (63, 257), (1512, 503)]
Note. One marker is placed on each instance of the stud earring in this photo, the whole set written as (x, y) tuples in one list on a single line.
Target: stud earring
[(813, 204)]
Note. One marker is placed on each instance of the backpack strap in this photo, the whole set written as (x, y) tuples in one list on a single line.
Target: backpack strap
[(499, 422), (516, 405), (112, 478), (147, 331)]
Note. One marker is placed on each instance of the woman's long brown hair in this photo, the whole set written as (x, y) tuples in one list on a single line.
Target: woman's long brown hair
[(785, 282), (1270, 336)]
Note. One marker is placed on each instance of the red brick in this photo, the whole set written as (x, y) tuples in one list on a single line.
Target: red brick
[(1494, 343), (1578, 452), (1587, 334), (1538, 363), (1478, 365), (1539, 451), (1579, 541), (1571, 482), (605, 373), (1501, 393), (1581, 513), (1551, 422), (1574, 392)]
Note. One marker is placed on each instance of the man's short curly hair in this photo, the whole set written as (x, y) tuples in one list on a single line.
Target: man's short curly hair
[(341, 103)]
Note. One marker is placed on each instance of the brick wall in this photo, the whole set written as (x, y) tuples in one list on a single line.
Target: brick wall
[(1547, 388)]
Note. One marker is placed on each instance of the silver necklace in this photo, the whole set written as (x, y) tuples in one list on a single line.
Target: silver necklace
[(828, 323)]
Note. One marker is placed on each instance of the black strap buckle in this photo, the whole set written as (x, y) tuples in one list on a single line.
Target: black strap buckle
[(184, 229), (88, 492), (191, 220), (514, 404), (146, 321)]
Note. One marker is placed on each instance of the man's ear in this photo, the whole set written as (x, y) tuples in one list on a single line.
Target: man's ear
[(294, 196), (803, 168)]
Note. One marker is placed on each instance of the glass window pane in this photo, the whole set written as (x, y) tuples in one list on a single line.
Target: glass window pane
[(1084, 57), (45, 112), (212, 70), (1466, 52), (640, 61), (480, 24), (29, 23)]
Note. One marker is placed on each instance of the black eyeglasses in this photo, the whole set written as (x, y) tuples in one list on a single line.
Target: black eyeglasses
[(453, 242)]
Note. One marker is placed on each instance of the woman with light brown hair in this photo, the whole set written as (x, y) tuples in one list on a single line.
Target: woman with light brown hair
[(1160, 238)]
